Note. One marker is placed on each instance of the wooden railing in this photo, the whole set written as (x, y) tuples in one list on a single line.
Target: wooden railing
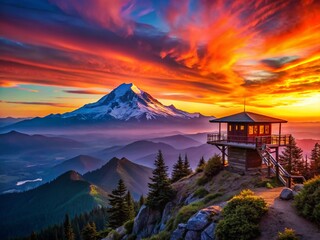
[(284, 177), (279, 140)]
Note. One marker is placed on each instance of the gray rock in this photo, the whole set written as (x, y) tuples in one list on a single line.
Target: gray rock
[(179, 232), (286, 194), (191, 199), (208, 233), (166, 215), (202, 218), (192, 235), (145, 222)]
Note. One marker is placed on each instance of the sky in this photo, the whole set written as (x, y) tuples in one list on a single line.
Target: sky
[(202, 56)]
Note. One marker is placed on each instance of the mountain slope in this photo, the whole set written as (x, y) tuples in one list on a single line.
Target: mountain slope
[(48, 204), (80, 164), (134, 150), (136, 177), (177, 141)]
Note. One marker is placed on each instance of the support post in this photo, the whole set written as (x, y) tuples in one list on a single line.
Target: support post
[(279, 134), (219, 136), (223, 155)]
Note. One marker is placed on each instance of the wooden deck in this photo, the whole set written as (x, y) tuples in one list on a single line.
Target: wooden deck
[(248, 142)]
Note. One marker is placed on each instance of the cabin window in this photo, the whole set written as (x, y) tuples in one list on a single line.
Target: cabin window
[(267, 129), (230, 128), (236, 127), (241, 127), (250, 129), (255, 130), (261, 130)]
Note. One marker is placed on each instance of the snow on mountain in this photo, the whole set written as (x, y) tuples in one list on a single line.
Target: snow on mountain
[(128, 102)]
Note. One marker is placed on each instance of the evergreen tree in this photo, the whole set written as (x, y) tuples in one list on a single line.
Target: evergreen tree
[(119, 207), (291, 158), (141, 201), (68, 231), (186, 166), (160, 190), (315, 158), (178, 171), (201, 165), (130, 204), (89, 232)]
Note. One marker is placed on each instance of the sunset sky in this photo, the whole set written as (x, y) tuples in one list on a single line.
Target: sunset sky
[(203, 56)]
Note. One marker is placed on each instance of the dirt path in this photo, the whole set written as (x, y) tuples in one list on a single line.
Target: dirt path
[(282, 214)]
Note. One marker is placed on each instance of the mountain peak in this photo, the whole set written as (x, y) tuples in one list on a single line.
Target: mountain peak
[(128, 102), (125, 87)]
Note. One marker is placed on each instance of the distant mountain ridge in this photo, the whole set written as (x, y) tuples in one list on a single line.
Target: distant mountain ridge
[(48, 204)]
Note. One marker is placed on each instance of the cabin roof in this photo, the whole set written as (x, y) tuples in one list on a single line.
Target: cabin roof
[(248, 117)]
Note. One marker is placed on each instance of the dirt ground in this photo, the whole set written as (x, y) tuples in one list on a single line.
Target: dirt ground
[(282, 215)]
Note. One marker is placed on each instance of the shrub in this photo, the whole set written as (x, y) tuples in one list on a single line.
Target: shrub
[(241, 217), (186, 212), (287, 234), (307, 201), (129, 226), (200, 192), (213, 166)]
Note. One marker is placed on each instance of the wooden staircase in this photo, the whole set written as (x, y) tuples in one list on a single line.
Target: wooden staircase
[(276, 168)]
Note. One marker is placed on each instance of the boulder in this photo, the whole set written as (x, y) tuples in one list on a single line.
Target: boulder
[(209, 232), (286, 194), (179, 232), (145, 222), (191, 199), (192, 235), (166, 215), (201, 219)]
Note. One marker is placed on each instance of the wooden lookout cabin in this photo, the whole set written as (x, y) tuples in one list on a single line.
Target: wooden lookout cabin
[(249, 143)]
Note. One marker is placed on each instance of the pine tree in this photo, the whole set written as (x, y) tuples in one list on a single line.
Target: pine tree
[(315, 158), (186, 166), (178, 170), (119, 208), (130, 204), (291, 158), (201, 165), (68, 231), (89, 232), (160, 190)]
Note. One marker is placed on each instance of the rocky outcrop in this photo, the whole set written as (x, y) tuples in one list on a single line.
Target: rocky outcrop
[(116, 234), (286, 194), (166, 215), (146, 222), (200, 226)]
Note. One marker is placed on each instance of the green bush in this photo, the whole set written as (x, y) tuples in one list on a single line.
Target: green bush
[(241, 217), (307, 201), (186, 212), (287, 234), (129, 226), (200, 192)]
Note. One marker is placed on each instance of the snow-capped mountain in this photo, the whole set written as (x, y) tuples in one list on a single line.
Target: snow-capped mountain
[(127, 102)]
